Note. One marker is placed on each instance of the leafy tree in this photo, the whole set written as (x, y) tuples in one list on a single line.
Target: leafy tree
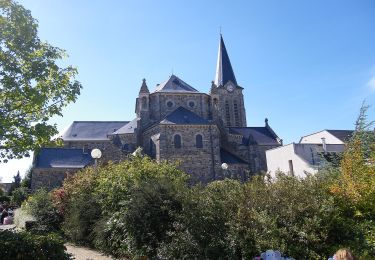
[(354, 188), (33, 88), (16, 183), (19, 195), (26, 181)]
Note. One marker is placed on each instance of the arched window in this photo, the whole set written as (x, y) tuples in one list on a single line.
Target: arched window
[(144, 103), (199, 141), (236, 113), (177, 141)]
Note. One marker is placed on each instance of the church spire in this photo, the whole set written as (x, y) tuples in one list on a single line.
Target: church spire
[(144, 88), (224, 71)]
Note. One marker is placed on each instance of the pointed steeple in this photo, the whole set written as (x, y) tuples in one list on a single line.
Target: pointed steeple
[(224, 71), (144, 88)]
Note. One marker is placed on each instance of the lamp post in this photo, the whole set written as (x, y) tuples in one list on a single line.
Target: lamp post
[(225, 167), (96, 154)]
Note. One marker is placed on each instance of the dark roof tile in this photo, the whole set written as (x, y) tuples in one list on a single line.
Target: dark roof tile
[(91, 130), (175, 85), (62, 158), (183, 116), (257, 135)]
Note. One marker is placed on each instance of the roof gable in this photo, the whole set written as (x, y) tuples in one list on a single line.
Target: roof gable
[(128, 128), (343, 135), (175, 85), (183, 116), (91, 130)]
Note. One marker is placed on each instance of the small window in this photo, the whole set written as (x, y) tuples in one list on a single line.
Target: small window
[(85, 149), (191, 104), (199, 141), (291, 170), (170, 104), (177, 141)]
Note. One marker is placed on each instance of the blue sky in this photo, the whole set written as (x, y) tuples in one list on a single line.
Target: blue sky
[(305, 65)]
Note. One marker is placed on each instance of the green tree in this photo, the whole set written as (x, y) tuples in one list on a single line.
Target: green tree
[(15, 183), (19, 195), (33, 88), (26, 181)]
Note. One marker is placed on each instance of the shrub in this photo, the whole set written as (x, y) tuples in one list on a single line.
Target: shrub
[(25, 245), (77, 202), (41, 207), (19, 195), (140, 201), (4, 198)]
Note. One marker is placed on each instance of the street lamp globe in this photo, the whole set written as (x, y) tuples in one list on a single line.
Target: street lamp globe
[(96, 153), (224, 166)]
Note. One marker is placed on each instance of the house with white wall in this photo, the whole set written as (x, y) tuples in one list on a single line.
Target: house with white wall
[(306, 155)]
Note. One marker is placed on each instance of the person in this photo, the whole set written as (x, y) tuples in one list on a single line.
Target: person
[(4, 214), (343, 254)]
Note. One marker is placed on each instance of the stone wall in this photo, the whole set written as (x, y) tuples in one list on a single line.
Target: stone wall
[(49, 178), (201, 163), (159, 108), (110, 152)]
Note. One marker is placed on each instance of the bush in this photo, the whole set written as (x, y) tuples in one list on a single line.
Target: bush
[(4, 199), (41, 207), (25, 245), (19, 195)]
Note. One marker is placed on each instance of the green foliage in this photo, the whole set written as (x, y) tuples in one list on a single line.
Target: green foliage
[(354, 187), (201, 230), (139, 208), (19, 195), (4, 199), (40, 205), (26, 181), (15, 183), (33, 88), (25, 245)]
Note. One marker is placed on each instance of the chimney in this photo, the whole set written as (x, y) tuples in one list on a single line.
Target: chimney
[(324, 144)]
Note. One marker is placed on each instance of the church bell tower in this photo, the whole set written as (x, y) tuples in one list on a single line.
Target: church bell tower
[(226, 95)]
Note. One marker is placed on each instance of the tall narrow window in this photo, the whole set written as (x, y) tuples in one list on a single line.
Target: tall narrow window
[(177, 141), (236, 114), (152, 149), (291, 170), (227, 113), (144, 103), (199, 141)]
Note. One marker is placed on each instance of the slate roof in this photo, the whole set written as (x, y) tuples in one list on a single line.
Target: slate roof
[(224, 71), (175, 84), (128, 128), (183, 116), (62, 158), (343, 135), (227, 157), (91, 130), (257, 135)]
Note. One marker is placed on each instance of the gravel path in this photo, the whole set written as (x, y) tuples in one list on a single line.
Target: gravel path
[(84, 253)]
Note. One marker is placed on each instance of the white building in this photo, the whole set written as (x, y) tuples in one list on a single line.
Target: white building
[(306, 156)]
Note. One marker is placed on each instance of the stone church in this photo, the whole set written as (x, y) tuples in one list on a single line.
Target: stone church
[(206, 133)]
